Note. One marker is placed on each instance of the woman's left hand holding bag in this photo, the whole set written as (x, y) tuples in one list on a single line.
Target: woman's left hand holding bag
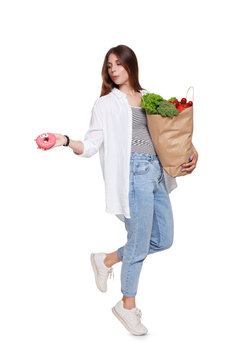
[(191, 165)]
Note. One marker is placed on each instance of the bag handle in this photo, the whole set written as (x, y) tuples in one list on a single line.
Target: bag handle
[(191, 87)]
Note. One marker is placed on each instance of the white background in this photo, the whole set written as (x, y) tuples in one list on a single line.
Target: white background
[(196, 296)]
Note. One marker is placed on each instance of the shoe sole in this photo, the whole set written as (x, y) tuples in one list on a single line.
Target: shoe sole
[(125, 324), (95, 273)]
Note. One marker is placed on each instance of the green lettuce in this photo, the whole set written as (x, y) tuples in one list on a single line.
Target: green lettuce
[(150, 102)]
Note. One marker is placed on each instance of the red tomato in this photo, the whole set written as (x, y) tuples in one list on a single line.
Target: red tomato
[(180, 108), (183, 101), (190, 103), (176, 103)]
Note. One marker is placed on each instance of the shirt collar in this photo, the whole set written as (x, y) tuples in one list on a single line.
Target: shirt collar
[(121, 94)]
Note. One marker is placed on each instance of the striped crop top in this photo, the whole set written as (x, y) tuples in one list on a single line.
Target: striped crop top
[(141, 141)]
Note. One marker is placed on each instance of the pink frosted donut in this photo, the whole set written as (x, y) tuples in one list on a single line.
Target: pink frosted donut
[(46, 140)]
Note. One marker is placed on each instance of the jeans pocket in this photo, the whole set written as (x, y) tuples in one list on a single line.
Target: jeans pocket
[(159, 170), (161, 178), (141, 167)]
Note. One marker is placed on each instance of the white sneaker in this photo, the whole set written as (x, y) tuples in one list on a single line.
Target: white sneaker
[(101, 271), (131, 319)]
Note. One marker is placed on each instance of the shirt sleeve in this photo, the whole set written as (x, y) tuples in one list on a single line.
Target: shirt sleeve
[(94, 136)]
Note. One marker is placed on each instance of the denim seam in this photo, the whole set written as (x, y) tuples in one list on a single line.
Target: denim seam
[(158, 226), (161, 177), (134, 232), (119, 253)]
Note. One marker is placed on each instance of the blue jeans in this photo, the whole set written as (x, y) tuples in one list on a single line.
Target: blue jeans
[(150, 228)]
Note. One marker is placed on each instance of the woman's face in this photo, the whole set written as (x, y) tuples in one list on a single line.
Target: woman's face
[(116, 71)]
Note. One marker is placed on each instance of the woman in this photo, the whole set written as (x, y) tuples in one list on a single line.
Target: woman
[(136, 187)]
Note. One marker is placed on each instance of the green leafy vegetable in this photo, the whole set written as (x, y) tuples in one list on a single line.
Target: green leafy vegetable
[(166, 108), (150, 102), (156, 104), (172, 99)]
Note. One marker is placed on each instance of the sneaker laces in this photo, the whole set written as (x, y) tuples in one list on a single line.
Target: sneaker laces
[(138, 313), (111, 273)]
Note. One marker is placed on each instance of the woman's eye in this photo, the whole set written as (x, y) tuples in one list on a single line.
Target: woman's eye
[(110, 66)]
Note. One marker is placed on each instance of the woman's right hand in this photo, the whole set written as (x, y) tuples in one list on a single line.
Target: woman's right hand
[(60, 140)]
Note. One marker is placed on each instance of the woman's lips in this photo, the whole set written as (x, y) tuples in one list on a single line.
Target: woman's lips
[(115, 77)]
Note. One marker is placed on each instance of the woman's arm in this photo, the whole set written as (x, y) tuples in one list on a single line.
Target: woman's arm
[(76, 145), (92, 139)]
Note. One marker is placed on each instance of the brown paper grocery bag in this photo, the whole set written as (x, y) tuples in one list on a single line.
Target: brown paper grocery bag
[(172, 139)]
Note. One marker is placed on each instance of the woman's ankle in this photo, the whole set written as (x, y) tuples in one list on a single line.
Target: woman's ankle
[(129, 302), (111, 259)]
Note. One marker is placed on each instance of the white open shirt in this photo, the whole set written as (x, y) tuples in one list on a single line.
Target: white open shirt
[(110, 132)]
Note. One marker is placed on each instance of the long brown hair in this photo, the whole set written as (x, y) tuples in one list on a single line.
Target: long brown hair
[(128, 60)]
